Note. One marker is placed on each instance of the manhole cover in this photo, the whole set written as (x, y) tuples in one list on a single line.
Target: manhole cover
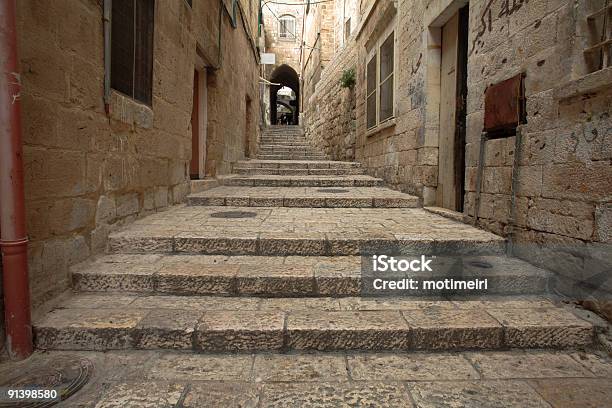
[(66, 375), (233, 214), (332, 190), (480, 264)]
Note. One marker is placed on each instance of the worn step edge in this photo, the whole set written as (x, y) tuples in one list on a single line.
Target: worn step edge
[(235, 281), (232, 331), (298, 171), (305, 202), (301, 181), (323, 246)]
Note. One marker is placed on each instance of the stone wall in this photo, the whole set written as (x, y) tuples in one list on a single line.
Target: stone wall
[(329, 115), (88, 173), (565, 174), (287, 51)]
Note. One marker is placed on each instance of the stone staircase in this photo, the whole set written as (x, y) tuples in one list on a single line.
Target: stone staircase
[(286, 143), (270, 261)]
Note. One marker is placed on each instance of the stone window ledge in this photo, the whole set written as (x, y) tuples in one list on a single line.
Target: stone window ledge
[(589, 83), (127, 110), (389, 123)]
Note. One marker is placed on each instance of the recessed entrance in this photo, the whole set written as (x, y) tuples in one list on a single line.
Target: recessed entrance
[(199, 123), (453, 113)]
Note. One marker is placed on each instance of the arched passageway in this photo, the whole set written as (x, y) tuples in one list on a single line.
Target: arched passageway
[(287, 78)]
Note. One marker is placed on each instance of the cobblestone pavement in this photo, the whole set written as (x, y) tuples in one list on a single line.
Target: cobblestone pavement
[(571, 379)]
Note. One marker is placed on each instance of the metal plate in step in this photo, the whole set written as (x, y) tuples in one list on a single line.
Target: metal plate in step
[(233, 214), (480, 264), (332, 190)]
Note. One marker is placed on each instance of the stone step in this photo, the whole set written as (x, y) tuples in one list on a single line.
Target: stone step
[(291, 157), (285, 141), (301, 181), (356, 197), (298, 171), (206, 324), (281, 231), (260, 276), (301, 164), (287, 150)]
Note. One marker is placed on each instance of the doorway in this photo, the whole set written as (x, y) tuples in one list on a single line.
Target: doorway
[(248, 126), (199, 124), (284, 97), (453, 111)]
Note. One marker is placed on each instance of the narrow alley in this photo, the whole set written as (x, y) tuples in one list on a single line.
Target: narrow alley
[(195, 214)]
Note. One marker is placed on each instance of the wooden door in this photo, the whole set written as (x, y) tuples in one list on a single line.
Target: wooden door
[(194, 168), (199, 124), (453, 95), (448, 90)]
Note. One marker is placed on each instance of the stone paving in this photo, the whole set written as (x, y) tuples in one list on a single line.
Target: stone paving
[(252, 297), (308, 197), (346, 379), (285, 231), (276, 276)]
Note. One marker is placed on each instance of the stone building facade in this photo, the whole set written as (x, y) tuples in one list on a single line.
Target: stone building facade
[(92, 168), (564, 171), (282, 32)]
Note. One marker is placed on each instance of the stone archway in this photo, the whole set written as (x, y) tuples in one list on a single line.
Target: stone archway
[(286, 77)]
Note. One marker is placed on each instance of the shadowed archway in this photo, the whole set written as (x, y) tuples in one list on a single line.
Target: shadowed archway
[(286, 77)]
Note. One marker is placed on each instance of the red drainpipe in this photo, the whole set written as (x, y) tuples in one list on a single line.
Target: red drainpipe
[(13, 238)]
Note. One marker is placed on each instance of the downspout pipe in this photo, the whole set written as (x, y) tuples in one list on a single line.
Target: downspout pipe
[(13, 238)]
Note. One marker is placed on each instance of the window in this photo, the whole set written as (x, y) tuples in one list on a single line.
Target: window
[(347, 29), (286, 28), (380, 81), (599, 52), (132, 48)]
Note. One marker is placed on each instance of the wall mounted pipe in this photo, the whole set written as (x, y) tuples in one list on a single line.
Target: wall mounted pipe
[(13, 238)]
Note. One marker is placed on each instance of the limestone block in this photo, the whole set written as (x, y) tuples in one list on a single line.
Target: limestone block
[(240, 331)]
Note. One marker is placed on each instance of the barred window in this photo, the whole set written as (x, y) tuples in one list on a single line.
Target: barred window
[(286, 29)]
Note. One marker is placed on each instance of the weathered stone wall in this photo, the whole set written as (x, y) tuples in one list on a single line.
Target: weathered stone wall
[(329, 115), (287, 51), (321, 43), (565, 174), (88, 173)]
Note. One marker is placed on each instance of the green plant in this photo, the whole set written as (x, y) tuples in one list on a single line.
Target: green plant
[(348, 78)]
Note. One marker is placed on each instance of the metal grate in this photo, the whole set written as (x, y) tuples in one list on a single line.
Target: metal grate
[(480, 264), (332, 190), (234, 214), (66, 374)]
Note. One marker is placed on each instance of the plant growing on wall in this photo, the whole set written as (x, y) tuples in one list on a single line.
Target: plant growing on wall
[(348, 78)]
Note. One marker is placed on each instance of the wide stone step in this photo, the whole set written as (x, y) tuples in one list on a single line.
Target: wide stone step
[(284, 142), (200, 275), (348, 197), (290, 157), (309, 164), (300, 231), (206, 324), (298, 171), (301, 181)]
